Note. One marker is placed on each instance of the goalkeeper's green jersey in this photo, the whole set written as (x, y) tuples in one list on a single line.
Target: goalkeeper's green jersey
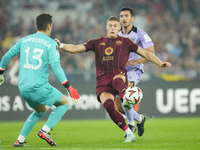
[(37, 52)]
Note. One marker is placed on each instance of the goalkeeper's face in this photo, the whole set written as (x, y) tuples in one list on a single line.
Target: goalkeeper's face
[(126, 18)]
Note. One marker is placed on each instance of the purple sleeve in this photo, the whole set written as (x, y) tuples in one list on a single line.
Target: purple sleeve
[(90, 45), (144, 39)]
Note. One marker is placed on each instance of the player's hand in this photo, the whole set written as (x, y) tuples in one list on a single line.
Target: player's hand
[(166, 64), (57, 41), (1, 79), (131, 63), (74, 94)]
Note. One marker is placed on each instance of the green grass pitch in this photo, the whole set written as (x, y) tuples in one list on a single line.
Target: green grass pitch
[(160, 134)]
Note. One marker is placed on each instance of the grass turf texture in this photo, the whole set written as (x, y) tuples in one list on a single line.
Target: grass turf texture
[(165, 134)]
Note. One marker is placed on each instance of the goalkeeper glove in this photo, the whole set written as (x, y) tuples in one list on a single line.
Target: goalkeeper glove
[(72, 92), (1, 76)]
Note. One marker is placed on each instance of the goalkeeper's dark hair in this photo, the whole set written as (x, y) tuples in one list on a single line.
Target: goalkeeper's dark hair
[(127, 9), (43, 20)]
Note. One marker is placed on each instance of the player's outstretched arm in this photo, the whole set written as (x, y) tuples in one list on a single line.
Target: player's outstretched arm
[(141, 60), (1, 76), (70, 47), (151, 57), (54, 61)]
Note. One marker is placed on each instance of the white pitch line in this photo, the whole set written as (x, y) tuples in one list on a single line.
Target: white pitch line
[(73, 148)]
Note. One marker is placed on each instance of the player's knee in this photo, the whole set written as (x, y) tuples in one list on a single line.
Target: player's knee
[(65, 102), (44, 110), (40, 108)]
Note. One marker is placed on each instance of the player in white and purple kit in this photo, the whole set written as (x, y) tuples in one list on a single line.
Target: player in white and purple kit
[(134, 65)]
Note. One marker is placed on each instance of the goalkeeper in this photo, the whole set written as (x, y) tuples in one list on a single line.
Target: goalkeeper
[(37, 52)]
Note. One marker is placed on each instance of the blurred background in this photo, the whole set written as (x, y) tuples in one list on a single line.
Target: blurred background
[(173, 26)]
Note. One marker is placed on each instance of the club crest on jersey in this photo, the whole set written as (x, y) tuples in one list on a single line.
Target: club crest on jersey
[(108, 50), (102, 44), (119, 43)]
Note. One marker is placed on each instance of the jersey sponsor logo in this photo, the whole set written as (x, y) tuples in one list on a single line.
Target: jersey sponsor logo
[(119, 43), (107, 58), (108, 50), (102, 44), (147, 38)]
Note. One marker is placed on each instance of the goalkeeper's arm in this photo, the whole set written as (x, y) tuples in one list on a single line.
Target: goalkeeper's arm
[(62, 78)]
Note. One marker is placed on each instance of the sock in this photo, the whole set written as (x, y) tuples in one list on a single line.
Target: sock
[(129, 114), (119, 85), (46, 128), (139, 120), (132, 123), (117, 118), (21, 139), (29, 124), (137, 117), (56, 115), (132, 115), (128, 131)]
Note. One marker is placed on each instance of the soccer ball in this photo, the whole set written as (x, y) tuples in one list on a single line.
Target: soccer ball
[(133, 95)]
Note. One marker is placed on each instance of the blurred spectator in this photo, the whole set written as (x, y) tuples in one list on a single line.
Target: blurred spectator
[(173, 26)]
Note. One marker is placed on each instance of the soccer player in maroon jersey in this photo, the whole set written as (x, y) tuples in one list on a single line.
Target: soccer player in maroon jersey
[(111, 55)]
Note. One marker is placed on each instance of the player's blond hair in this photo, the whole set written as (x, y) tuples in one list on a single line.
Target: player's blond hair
[(113, 18)]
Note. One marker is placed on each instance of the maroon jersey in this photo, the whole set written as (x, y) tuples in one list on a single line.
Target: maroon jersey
[(111, 55)]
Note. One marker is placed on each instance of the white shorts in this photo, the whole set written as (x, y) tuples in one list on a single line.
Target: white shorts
[(134, 76)]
